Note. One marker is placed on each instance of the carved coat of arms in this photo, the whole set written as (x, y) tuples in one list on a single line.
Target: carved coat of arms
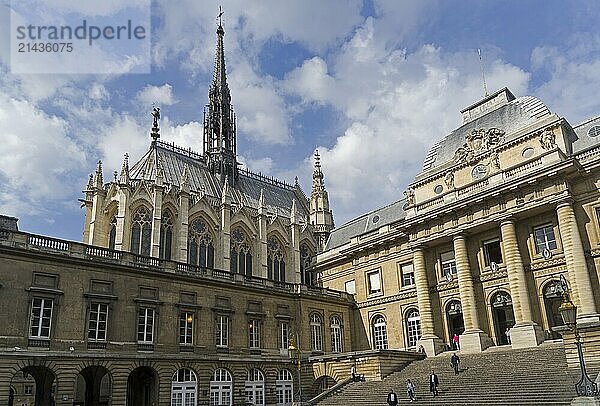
[(479, 140)]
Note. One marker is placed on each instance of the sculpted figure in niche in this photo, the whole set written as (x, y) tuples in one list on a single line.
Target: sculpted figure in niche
[(449, 180), (409, 195), (548, 139)]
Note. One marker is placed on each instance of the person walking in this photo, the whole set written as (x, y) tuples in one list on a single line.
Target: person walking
[(392, 399), (507, 332), (455, 341), (410, 389), (433, 383), (455, 361)]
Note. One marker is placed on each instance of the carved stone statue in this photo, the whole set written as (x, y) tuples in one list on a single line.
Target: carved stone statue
[(548, 139), (449, 180), (495, 160), (479, 140), (155, 117), (409, 195)]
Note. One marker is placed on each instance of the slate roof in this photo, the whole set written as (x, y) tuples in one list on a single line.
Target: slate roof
[(246, 190), (582, 139), (366, 223), (511, 117)]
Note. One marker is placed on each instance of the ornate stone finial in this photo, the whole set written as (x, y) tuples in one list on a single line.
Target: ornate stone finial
[(98, 181), (90, 184), (261, 199), (185, 179), (115, 176), (449, 180), (294, 213), (409, 195), (124, 178), (296, 182), (225, 194), (155, 133), (548, 139), (159, 171)]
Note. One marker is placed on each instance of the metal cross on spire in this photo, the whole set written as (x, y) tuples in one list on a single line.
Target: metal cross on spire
[(220, 16)]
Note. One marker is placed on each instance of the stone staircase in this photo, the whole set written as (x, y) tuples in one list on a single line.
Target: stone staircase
[(498, 376)]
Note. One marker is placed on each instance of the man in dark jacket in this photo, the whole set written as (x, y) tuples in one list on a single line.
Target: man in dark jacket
[(433, 383), (392, 398), (455, 361)]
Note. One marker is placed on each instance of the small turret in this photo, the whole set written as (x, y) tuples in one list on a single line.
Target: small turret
[(124, 177), (320, 214)]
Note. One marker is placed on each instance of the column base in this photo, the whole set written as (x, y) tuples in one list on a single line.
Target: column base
[(432, 344), (474, 341), (526, 335)]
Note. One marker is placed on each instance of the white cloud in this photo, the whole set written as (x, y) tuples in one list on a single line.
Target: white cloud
[(39, 158), (260, 165), (159, 95)]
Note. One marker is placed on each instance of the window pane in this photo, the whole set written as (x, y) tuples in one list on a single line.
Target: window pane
[(374, 282), (350, 287), (492, 252)]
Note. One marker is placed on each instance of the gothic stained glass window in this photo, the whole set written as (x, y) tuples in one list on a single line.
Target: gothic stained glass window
[(166, 235), (141, 232), (306, 255), (241, 253), (275, 260), (112, 235), (200, 244)]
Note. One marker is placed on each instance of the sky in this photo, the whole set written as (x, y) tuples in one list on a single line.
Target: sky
[(371, 84)]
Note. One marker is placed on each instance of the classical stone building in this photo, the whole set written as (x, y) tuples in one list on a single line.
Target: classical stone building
[(505, 205), (193, 280)]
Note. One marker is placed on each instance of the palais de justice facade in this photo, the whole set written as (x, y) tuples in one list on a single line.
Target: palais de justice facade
[(195, 278)]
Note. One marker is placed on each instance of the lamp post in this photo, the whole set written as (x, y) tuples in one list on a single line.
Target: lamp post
[(568, 311), (295, 355)]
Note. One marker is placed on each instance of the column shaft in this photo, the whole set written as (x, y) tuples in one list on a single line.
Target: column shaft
[(575, 258), (465, 284), (516, 273), (423, 299)]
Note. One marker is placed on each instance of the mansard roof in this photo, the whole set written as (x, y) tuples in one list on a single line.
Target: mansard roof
[(367, 222), (499, 110), (246, 191)]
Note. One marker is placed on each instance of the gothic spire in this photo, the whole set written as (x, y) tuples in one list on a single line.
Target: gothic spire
[(320, 214), (219, 119)]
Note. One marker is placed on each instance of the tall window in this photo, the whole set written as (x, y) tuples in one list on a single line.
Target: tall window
[(544, 238), (374, 280), (413, 327), (275, 260), (220, 388), (284, 333), (407, 274), (166, 235), (350, 287), (448, 263), (97, 322), (255, 387), (222, 331), (492, 252), (241, 254), (285, 388), (184, 387), (141, 232), (336, 334), (41, 318), (306, 256), (254, 333), (380, 340), (145, 325), (112, 234), (316, 332), (200, 245), (186, 328)]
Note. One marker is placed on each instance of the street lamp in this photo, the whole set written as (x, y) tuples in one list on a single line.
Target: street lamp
[(295, 355), (568, 312)]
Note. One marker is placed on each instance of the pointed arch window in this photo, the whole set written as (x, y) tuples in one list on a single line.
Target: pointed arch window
[(166, 235), (241, 253), (200, 244), (275, 260), (141, 232), (306, 255), (112, 234)]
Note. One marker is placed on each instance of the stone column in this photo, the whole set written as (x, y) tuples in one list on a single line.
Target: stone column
[(579, 274), (156, 220), (123, 220), (473, 339), (525, 333), (433, 344)]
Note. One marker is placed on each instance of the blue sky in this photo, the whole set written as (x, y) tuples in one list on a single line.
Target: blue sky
[(372, 84)]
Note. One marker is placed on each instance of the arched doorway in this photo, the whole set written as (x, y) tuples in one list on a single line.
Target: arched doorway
[(33, 385), (321, 384), (184, 387), (142, 387), (456, 324), (93, 387), (503, 315), (552, 301)]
